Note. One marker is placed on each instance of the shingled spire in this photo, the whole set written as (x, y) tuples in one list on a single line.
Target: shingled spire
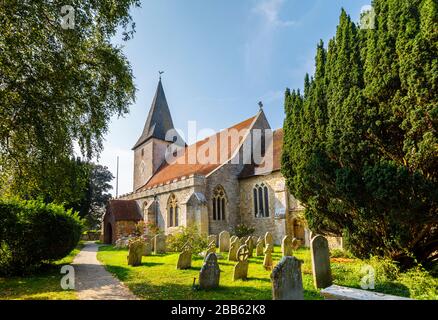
[(159, 120)]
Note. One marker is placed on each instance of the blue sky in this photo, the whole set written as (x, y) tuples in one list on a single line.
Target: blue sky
[(220, 58)]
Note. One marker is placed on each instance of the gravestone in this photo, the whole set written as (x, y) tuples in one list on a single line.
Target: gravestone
[(135, 253), (250, 245), (147, 248), (241, 268), (210, 273), (267, 261), (287, 281), (185, 257), (286, 246), (254, 240), (160, 244), (211, 238), (224, 241), (269, 240), (262, 240), (211, 248), (233, 238), (232, 255), (259, 248), (295, 244), (322, 276)]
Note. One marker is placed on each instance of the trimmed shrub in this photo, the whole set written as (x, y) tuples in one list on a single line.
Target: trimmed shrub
[(242, 230), (176, 241), (32, 232)]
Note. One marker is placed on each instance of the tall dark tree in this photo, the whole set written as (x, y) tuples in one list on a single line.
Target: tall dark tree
[(60, 82), (361, 145), (92, 206)]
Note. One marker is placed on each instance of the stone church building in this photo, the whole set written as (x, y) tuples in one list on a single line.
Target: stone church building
[(213, 195)]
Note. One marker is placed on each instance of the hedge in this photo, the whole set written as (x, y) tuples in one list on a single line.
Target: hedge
[(32, 232)]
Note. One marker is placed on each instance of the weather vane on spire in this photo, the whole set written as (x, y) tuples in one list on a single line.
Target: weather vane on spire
[(260, 105), (160, 72)]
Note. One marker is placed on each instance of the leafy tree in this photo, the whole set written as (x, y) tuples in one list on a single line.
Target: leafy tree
[(96, 196), (58, 86), (360, 147)]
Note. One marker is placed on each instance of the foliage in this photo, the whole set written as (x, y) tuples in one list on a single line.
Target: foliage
[(360, 143), (58, 86), (32, 232), (242, 230), (95, 197), (197, 241), (340, 253), (147, 228)]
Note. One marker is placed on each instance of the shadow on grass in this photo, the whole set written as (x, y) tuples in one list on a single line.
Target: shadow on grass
[(393, 288)]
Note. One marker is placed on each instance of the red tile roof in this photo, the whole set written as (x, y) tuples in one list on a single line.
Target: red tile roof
[(182, 167), (277, 137), (124, 210)]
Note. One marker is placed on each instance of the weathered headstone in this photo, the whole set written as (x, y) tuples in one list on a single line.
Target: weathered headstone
[(269, 240), (211, 238), (185, 257), (147, 248), (232, 255), (160, 244), (233, 238), (259, 248), (210, 273), (262, 239), (224, 241), (322, 276), (295, 244), (267, 261), (286, 246), (287, 281), (250, 245), (254, 240), (211, 248), (241, 268), (135, 253)]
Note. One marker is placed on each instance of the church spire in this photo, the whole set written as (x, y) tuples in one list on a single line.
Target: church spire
[(159, 120)]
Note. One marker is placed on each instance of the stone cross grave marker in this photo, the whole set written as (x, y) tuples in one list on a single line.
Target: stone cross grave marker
[(224, 241), (241, 268), (160, 244), (287, 281), (210, 273), (322, 276), (267, 261), (185, 257), (135, 253), (286, 246)]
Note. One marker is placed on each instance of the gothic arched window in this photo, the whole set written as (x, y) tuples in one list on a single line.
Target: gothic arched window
[(173, 211), (261, 201), (219, 203)]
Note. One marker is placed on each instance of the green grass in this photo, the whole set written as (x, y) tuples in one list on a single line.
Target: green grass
[(158, 279), (45, 285)]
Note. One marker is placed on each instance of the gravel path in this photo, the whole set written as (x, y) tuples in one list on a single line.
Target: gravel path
[(93, 282)]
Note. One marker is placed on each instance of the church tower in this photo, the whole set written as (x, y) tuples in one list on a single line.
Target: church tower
[(150, 149)]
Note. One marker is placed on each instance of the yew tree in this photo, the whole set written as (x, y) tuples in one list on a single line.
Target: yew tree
[(361, 144)]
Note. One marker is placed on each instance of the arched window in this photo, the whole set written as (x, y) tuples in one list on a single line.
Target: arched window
[(219, 203), (173, 211), (261, 201)]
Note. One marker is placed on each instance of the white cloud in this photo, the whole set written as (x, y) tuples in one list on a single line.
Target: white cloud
[(270, 10)]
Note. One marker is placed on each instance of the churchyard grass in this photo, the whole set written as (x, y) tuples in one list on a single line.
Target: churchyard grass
[(157, 277), (43, 285)]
